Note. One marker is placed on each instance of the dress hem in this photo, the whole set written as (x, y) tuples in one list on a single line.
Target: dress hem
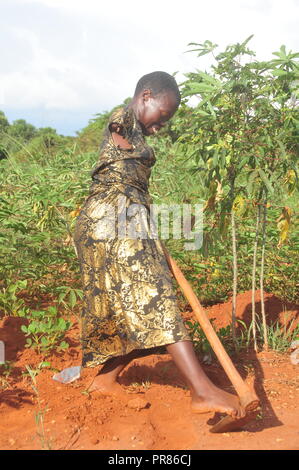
[(98, 363)]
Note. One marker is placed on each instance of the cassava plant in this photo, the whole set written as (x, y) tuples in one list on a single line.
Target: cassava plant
[(46, 331), (243, 136)]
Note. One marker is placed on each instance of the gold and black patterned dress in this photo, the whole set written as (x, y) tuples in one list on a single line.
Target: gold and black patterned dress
[(129, 301)]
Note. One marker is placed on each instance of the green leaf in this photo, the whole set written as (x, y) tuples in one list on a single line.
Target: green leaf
[(199, 265), (251, 179), (72, 299), (37, 314), (61, 324), (44, 364), (211, 109), (204, 113), (197, 88), (242, 162), (215, 159), (209, 78), (247, 40), (266, 180), (205, 48), (79, 292), (61, 296), (32, 327), (279, 72), (52, 311), (282, 148), (283, 51)]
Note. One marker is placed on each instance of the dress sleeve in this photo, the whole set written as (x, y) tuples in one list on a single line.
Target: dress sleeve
[(123, 117)]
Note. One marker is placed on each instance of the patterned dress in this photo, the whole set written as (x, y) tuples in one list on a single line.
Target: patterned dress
[(129, 301)]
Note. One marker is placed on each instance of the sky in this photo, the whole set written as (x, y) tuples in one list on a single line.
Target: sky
[(64, 61)]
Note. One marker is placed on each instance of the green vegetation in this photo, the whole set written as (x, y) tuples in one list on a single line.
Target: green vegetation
[(279, 338), (236, 152), (46, 443), (243, 137), (46, 331)]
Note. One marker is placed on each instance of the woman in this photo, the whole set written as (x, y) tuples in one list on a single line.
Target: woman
[(130, 305)]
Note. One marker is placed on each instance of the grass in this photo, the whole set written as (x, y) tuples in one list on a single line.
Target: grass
[(4, 383), (144, 384), (279, 337), (46, 443), (6, 369)]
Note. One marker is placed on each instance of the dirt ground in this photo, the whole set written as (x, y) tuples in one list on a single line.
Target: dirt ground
[(155, 410)]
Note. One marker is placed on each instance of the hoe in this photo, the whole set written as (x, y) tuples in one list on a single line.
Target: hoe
[(247, 396)]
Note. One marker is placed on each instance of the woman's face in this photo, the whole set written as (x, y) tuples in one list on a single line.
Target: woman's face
[(155, 111)]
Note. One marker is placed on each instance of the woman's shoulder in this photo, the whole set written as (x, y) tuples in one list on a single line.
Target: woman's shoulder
[(123, 117)]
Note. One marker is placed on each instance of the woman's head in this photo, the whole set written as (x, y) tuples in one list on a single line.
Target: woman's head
[(155, 101)]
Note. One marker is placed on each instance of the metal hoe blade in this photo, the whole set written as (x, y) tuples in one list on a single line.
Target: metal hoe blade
[(228, 423)]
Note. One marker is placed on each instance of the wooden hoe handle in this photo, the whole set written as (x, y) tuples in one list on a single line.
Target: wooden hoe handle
[(247, 396)]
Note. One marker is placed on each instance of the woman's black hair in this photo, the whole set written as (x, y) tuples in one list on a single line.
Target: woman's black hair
[(158, 82)]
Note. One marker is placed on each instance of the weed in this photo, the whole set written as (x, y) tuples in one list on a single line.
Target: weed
[(279, 339), (4, 383), (46, 331), (10, 304), (7, 368), (39, 415), (35, 372), (203, 346), (144, 384), (249, 369), (68, 297)]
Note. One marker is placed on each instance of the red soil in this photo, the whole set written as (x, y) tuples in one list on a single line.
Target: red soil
[(74, 419)]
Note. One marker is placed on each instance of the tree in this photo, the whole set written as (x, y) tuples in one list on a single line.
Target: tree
[(4, 124), (243, 134), (22, 130), (46, 131)]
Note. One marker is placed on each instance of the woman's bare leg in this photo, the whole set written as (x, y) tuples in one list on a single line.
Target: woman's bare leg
[(206, 397), (106, 379)]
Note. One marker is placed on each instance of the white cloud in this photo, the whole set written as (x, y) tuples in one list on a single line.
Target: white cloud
[(74, 55)]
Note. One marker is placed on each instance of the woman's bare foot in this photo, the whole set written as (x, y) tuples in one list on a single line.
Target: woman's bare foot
[(105, 381), (218, 401), (106, 387)]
